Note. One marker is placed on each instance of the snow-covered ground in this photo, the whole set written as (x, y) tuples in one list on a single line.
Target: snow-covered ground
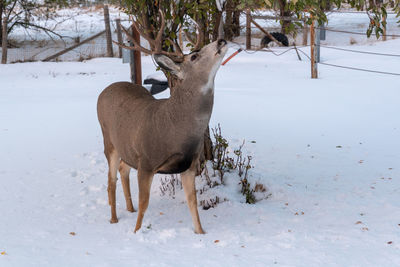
[(328, 150)]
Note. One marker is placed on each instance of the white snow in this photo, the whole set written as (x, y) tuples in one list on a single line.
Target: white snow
[(327, 149)]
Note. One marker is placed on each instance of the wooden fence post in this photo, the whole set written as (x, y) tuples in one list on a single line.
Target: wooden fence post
[(110, 52), (119, 36), (305, 33), (4, 42), (314, 70), (248, 29), (136, 60)]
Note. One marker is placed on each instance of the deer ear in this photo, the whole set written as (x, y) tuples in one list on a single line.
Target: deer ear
[(168, 64)]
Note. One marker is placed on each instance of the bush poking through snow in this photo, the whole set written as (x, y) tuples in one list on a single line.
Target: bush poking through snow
[(237, 166), (169, 184), (210, 203), (223, 163)]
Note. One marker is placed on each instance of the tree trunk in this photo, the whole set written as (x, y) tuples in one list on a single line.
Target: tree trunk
[(217, 21), (284, 13), (236, 23), (229, 20), (1, 19)]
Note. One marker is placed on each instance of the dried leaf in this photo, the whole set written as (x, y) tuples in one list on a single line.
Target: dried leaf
[(359, 222), (216, 241), (259, 188), (72, 233), (3, 253), (390, 242)]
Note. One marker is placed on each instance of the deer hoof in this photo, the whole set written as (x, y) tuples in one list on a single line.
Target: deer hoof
[(137, 229), (113, 220), (200, 232), (130, 209)]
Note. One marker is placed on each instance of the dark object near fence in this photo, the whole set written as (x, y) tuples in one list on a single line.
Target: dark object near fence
[(280, 37), (157, 86)]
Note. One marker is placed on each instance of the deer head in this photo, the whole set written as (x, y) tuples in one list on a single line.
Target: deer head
[(201, 64)]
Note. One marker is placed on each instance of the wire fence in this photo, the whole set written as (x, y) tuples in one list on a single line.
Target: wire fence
[(358, 51), (356, 33), (339, 33), (352, 68), (280, 53), (97, 48)]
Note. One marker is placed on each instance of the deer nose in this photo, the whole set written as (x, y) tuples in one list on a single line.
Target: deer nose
[(221, 42)]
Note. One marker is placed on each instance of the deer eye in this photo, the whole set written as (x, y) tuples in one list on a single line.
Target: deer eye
[(193, 57)]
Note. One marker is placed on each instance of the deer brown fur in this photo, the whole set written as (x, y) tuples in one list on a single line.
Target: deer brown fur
[(160, 136)]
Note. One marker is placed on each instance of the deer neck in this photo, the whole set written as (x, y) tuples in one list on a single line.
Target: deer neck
[(191, 103)]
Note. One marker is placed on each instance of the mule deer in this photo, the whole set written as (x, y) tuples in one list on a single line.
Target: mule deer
[(160, 136)]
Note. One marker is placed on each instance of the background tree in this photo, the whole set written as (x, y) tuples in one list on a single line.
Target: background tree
[(232, 19), (24, 13)]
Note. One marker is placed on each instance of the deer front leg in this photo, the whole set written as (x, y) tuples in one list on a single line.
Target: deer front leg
[(189, 186), (144, 180), (124, 170), (113, 159)]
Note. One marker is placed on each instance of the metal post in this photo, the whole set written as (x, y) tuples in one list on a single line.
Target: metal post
[(221, 28), (119, 36), (110, 52), (248, 29), (4, 42), (314, 71)]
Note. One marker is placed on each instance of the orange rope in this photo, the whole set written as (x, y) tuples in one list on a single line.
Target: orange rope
[(231, 56)]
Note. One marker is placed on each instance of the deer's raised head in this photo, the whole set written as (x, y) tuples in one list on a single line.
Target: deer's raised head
[(201, 64)]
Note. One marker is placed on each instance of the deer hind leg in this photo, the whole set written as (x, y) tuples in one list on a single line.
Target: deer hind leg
[(124, 170), (113, 161), (189, 186), (144, 181)]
